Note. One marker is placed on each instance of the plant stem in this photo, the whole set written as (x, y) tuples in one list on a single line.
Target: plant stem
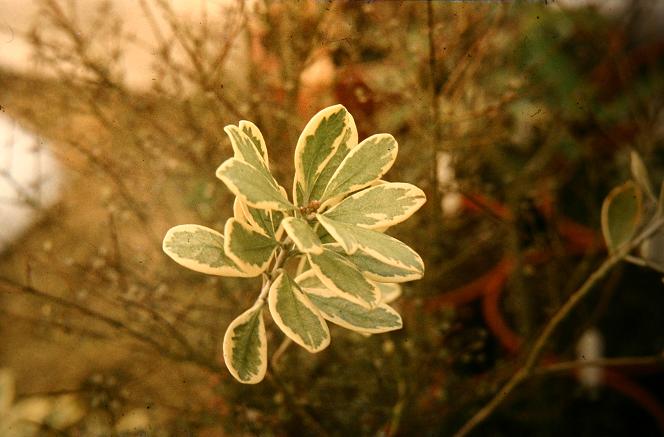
[(538, 346), (276, 356), (435, 115), (651, 360), (268, 278)]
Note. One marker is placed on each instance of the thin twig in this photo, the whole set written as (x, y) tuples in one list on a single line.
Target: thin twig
[(114, 323), (538, 346), (435, 115), (653, 360), (276, 356)]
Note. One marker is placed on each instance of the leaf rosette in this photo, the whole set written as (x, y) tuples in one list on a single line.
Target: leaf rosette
[(333, 229)]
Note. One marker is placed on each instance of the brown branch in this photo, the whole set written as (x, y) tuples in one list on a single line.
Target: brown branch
[(11, 286), (653, 360)]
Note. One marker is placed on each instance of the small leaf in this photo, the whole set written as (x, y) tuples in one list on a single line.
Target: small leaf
[(366, 163), (346, 313), (389, 291), (380, 206), (382, 247), (245, 346), (252, 186), (256, 137), (261, 220), (249, 249), (308, 280), (621, 213), (341, 276), (327, 131), (377, 270), (200, 249), (245, 150), (297, 317), (341, 232), (640, 174), (302, 235)]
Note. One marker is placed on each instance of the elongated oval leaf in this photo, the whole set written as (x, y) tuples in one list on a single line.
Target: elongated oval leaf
[(341, 232), (386, 249), (389, 291), (621, 214), (256, 137), (261, 220), (200, 249), (347, 143), (248, 248), (307, 280), (341, 276), (252, 186), (346, 313), (302, 235), (296, 316), (366, 163), (319, 142), (245, 346), (380, 206), (246, 150), (377, 270)]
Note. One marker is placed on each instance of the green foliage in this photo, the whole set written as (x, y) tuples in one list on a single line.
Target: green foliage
[(348, 269)]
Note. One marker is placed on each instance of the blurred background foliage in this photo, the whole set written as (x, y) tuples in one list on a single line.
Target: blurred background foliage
[(517, 119)]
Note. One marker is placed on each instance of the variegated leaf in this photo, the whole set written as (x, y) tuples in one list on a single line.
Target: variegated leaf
[(246, 150), (384, 248), (239, 211), (341, 276), (245, 346), (252, 186), (261, 220), (302, 235), (308, 280), (380, 206), (376, 269), (329, 130), (249, 249), (348, 143), (341, 232), (256, 137), (200, 249), (366, 163), (346, 313), (296, 316), (389, 291)]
